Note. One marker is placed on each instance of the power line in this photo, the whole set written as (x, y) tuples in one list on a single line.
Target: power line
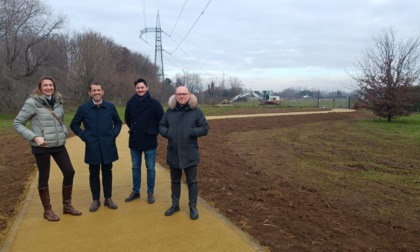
[(182, 10), (177, 64), (158, 40), (144, 13), (192, 26), (176, 44)]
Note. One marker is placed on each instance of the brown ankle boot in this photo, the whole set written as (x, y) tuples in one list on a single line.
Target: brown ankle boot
[(44, 194), (67, 207)]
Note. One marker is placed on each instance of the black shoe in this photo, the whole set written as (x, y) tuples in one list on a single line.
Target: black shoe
[(193, 213), (150, 198), (109, 203), (133, 195), (172, 210), (95, 205)]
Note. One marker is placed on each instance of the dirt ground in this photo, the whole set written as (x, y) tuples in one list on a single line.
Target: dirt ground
[(249, 175)]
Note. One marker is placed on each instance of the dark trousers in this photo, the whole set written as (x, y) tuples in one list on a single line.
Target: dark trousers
[(95, 181), (43, 161), (191, 177)]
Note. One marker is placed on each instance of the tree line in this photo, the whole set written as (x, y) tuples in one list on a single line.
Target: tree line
[(33, 45)]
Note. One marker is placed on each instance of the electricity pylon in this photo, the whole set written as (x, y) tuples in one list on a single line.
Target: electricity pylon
[(158, 46)]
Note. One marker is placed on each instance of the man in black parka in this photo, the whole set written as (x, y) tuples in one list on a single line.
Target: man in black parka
[(182, 123), (142, 116)]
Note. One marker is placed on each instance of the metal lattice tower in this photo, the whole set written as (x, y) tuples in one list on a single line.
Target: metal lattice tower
[(158, 46)]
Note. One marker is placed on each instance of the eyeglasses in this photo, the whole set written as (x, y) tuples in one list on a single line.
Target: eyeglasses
[(182, 94)]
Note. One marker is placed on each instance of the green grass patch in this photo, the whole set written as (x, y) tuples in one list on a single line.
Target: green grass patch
[(6, 124), (406, 127)]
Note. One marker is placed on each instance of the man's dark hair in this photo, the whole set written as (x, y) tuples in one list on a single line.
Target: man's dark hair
[(96, 84), (140, 80)]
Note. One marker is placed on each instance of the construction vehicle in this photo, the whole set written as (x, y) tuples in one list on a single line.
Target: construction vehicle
[(244, 95), (268, 98)]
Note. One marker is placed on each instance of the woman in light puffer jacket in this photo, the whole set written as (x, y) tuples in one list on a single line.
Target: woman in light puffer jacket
[(47, 137)]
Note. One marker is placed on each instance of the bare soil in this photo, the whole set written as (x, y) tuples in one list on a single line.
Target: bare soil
[(281, 180)]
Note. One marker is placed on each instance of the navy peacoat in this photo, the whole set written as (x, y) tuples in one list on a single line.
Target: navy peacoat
[(101, 126), (142, 117)]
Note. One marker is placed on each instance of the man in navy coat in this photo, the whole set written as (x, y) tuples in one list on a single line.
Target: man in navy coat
[(101, 126)]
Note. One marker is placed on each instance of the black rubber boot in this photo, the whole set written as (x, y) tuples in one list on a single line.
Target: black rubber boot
[(176, 194), (192, 196), (173, 209)]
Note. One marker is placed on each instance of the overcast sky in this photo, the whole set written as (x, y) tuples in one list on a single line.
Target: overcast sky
[(266, 44)]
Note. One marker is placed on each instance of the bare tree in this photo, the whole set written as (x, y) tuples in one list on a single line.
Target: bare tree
[(192, 81), (90, 60), (31, 46), (289, 93), (26, 29), (385, 74), (235, 86), (25, 26)]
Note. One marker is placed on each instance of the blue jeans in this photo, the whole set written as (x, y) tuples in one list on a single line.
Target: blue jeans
[(150, 158)]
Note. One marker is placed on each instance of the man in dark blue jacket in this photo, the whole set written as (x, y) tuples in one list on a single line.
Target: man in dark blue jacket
[(101, 126), (142, 116), (182, 124)]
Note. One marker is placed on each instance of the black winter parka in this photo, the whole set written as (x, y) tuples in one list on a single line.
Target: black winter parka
[(182, 127)]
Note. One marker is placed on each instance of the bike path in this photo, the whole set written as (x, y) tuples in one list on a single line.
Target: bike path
[(134, 226)]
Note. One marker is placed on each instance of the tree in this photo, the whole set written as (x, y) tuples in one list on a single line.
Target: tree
[(192, 81), (90, 60), (235, 86), (25, 28), (289, 93), (385, 74), (29, 46)]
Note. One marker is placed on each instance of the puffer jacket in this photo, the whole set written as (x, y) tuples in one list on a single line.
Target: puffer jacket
[(44, 124), (182, 127)]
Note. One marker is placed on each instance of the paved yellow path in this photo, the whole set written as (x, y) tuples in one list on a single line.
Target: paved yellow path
[(134, 226), (280, 114)]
